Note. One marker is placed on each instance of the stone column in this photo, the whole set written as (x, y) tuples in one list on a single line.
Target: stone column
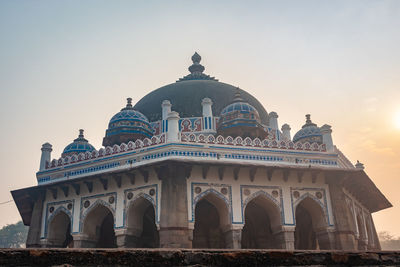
[(273, 120), (174, 231), (173, 127), (327, 137), (46, 155), (233, 238), (128, 238), (83, 241), (286, 132), (344, 234), (33, 239), (284, 237), (326, 239)]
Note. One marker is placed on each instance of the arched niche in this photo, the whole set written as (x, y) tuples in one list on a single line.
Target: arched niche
[(59, 230), (98, 227), (311, 230), (262, 218), (212, 220), (141, 224)]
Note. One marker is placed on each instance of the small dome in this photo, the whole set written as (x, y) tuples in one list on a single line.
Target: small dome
[(79, 145), (310, 132), (126, 125), (240, 119)]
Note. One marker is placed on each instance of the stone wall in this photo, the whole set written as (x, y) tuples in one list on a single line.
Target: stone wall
[(191, 257)]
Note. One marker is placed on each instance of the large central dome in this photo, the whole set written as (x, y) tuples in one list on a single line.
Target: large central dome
[(187, 93)]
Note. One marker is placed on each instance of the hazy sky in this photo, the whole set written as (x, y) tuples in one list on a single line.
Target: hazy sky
[(66, 65)]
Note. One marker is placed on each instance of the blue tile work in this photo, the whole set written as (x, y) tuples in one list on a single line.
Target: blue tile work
[(92, 169), (154, 202), (190, 153), (323, 205), (279, 204), (59, 209), (98, 202)]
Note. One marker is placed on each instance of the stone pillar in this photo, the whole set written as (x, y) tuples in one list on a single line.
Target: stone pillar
[(46, 154), (284, 237), (174, 231), (173, 127), (128, 238), (83, 241), (327, 137), (233, 238), (286, 132), (35, 226), (273, 120), (326, 239), (344, 222), (166, 109)]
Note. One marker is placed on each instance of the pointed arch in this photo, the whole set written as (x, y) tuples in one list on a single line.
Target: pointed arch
[(140, 222), (263, 218), (59, 228), (98, 225), (212, 217)]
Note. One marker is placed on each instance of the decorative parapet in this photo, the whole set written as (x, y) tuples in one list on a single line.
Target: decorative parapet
[(116, 149), (248, 142)]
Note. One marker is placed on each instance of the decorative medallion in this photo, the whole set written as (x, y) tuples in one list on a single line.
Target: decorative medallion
[(51, 209), (130, 195), (111, 200), (197, 190), (246, 192), (319, 195), (152, 192), (224, 191), (296, 194), (275, 193), (69, 206), (86, 204)]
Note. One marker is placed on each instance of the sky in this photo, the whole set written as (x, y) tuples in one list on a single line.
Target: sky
[(66, 65)]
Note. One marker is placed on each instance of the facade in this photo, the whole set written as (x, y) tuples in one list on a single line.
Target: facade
[(201, 164)]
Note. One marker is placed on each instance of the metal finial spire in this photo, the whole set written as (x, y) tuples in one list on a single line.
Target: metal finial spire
[(196, 67), (129, 102), (80, 133), (308, 121), (238, 96)]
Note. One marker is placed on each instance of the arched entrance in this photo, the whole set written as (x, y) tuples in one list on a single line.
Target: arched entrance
[(211, 222), (141, 225), (99, 228), (262, 217), (311, 226), (59, 231)]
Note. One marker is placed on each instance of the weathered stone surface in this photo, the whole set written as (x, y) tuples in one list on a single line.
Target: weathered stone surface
[(192, 257)]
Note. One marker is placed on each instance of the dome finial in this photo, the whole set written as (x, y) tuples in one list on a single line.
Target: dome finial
[(238, 96), (80, 133), (196, 67), (196, 58), (129, 102), (308, 119)]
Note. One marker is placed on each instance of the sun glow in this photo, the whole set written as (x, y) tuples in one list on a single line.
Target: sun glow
[(397, 120)]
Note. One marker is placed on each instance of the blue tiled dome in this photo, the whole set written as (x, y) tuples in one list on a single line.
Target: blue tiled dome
[(240, 119), (310, 132), (79, 145), (126, 125)]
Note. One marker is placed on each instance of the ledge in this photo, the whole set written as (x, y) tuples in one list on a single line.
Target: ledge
[(193, 257)]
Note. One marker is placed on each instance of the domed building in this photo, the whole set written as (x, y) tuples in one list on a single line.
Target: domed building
[(79, 145), (201, 164)]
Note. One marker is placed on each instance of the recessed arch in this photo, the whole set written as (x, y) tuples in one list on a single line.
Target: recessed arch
[(141, 223), (59, 228), (309, 212), (212, 219), (262, 216), (98, 225)]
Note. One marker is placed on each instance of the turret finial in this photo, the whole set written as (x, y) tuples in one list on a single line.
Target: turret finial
[(238, 96), (129, 102), (308, 119), (196, 58), (80, 133)]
